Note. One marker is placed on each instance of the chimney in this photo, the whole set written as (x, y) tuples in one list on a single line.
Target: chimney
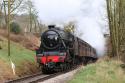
[(51, 26)]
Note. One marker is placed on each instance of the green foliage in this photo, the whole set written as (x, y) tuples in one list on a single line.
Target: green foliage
[(15, 28)]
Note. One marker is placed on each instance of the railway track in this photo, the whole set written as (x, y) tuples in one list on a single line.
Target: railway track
[(38, 77), (34, 78)]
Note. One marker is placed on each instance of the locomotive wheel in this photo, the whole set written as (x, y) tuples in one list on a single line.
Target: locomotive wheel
[(47, 71), (61, 67), (68, 65), (44, 71), (64, 67)]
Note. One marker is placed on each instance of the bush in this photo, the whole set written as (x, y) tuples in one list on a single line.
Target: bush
[(15, 28)]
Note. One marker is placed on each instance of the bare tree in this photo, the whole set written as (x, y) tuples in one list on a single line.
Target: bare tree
[(116, 12), (28, 6), (1, 14), (70, 27), (15, 4), (34, 23)]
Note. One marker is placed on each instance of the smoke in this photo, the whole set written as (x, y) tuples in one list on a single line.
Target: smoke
[(89, 15), (57, 11), (91, 32)]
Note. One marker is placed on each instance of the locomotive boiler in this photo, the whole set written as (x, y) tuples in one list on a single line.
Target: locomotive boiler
[(60, 50)]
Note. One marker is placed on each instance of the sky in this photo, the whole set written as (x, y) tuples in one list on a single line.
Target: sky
[(90, 17)]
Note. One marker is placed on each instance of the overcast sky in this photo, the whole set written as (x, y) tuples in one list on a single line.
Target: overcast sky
[(89, 15)]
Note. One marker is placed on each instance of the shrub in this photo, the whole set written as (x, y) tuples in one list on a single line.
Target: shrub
[(15, 28)]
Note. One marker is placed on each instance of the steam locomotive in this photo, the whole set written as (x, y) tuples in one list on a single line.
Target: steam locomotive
[(60, 50)]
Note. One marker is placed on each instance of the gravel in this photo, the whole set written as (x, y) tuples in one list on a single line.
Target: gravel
[(64, 78)]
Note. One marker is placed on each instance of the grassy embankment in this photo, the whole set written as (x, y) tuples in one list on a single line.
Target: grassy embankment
[(101, 72), (23, 59)]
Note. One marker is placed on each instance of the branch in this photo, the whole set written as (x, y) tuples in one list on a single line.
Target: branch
[(16, 6)]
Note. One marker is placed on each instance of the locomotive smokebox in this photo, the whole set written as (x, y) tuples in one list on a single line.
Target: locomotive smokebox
[(51, 26), (50, 39)]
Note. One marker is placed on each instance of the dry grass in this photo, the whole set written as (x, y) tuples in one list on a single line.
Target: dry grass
[(101, 72), (5, 71), (27, 40), (26, 68)]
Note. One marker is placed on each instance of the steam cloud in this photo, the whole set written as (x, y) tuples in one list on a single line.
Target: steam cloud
[(88, 14)]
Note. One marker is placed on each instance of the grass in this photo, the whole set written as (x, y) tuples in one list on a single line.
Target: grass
[(18, 53), (23, 58), (101, 72)]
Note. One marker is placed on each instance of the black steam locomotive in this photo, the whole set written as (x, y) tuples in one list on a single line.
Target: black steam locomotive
[(60, 50)]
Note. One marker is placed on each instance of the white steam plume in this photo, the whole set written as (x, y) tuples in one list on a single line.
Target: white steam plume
[(88, 14)]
